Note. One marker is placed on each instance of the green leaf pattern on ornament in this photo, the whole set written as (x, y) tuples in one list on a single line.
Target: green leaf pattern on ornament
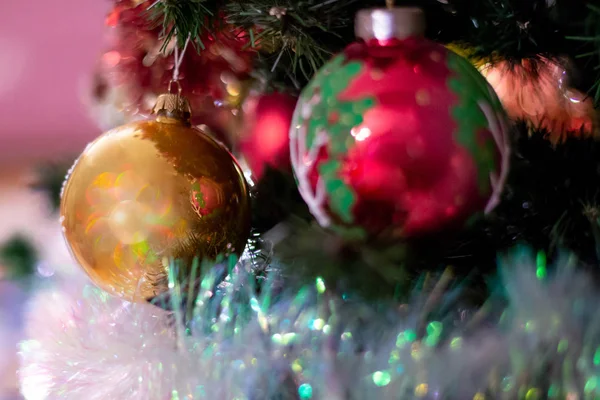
[(336, 118), (471, 88), (198, 195), (341, 196)]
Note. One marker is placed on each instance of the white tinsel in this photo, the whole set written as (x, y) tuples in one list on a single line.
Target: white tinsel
[(85, 345), (539, 340)]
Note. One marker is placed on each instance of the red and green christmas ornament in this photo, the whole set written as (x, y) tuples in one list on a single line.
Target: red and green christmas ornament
[(398, 136)]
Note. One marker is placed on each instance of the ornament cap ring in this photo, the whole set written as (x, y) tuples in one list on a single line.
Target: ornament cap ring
[(176, 82), (390, 23), (174, 106)]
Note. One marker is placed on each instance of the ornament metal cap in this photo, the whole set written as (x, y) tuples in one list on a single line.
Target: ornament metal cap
[(389, 23), (173, 105)]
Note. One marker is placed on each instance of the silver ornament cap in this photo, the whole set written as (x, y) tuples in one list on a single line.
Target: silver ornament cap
[(389, 23)]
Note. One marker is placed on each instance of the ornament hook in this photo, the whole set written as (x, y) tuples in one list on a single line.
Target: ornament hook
[(176, 82), (179, 58), (173, 105)]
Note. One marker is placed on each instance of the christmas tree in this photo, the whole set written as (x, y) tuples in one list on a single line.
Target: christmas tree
[(333, 200)]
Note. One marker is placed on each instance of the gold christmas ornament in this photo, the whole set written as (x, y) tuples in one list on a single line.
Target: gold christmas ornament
[(148, 192)]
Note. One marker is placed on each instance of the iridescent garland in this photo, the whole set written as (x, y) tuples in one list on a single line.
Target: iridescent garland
[(538, 338)]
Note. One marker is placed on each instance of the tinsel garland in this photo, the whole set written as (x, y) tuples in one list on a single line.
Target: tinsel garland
[(537, 336)]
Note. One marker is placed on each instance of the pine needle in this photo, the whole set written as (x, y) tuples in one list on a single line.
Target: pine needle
[(182, 18), (298, 36), (592, 38)]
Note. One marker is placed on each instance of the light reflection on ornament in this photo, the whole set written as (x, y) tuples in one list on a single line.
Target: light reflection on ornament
[(206, 197), (128, 221), (128, 205), (141, 212), (360, 134)]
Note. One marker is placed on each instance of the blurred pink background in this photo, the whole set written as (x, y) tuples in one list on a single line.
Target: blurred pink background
[(47, 50)]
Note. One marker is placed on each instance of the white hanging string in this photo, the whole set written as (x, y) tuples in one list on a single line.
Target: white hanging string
[(154, 4), (179, 58)]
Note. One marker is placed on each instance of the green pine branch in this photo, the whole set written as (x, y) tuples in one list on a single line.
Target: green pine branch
[(510, 29), (49, 180), (19, 258), (591, 42), (297, 37), (181, 19)]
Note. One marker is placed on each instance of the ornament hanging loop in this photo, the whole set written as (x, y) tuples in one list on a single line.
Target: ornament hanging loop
[(389, 4), (173, 105), (170, 87), (179, 58)]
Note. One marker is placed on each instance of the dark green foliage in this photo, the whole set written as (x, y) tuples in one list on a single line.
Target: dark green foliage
[(19, 258), (50, 179), (298, 37), (590, 53), (275, 197), (512, 29), (375, 270), (185, 18)]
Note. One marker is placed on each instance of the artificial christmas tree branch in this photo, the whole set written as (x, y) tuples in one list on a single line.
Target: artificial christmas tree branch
[(299, 35), (183, 19), (510, 29), (295, 37), (591, 40), (18, 258)]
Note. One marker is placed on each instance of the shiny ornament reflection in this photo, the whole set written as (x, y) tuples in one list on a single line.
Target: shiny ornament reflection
[(145, 193)]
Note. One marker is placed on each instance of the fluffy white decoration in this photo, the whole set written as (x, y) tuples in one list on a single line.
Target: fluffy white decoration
[(540, 339), (86, 345)]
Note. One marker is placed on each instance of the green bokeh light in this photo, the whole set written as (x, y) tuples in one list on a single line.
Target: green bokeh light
[(382, 378), (305, 391)]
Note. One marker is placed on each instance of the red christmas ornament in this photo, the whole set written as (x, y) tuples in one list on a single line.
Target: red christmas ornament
[(265, 141), (133, 71), (398, 136)]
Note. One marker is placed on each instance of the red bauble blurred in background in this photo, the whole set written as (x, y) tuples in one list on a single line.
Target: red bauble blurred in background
[(397, 136), (265, 134), (133, 70)]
